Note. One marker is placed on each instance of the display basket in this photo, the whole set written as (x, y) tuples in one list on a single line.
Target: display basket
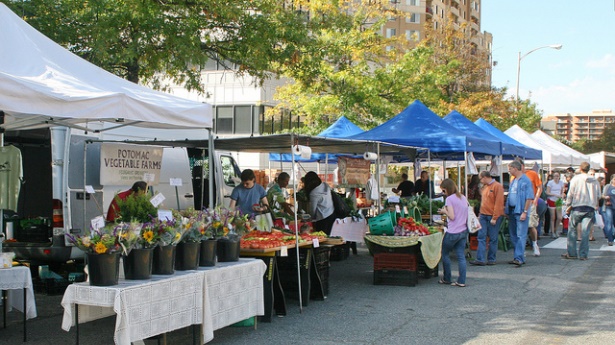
[(383, 224)]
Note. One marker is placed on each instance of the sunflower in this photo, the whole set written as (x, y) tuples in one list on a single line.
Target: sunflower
[(100, 248), (148, 236)]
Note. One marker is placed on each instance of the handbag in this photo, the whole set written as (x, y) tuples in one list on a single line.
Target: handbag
[(473, 222), (598, 221)]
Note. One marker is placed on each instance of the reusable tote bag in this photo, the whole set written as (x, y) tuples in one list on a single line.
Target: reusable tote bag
[(473, 222)]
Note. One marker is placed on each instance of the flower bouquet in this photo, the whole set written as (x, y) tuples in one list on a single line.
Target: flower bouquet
[(138, 241), (169, 234), (102, 248), (228, 226), (101, 241)]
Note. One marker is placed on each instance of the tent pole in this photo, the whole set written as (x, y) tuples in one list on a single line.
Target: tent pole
[(1, 209), (212, 158), (378, 161), (465, 173), (296, 226), (432, 178), (85, 165)]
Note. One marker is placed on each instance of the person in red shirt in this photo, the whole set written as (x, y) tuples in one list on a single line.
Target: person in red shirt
[(114, 208)]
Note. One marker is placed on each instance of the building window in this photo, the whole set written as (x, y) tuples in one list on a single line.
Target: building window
[(391, 32), (224, 119), (243, 119), (413, 2), (413, 35), (413, 18)]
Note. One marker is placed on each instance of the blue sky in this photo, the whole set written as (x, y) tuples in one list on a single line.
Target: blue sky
[(578, 78)]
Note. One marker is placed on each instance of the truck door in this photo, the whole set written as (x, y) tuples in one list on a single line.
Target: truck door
[(231, 176)]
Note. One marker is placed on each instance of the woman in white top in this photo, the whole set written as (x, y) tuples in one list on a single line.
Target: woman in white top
[(555, 191)]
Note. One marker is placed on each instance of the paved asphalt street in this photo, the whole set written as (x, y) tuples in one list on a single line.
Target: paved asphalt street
[(548, 301)]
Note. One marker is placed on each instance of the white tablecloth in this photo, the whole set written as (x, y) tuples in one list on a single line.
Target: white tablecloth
[(143, 308), (15, 279), (213, 296), (233, 292), (350, 230)]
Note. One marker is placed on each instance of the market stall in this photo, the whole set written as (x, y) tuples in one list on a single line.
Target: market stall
[(212, 297), (400, 260)]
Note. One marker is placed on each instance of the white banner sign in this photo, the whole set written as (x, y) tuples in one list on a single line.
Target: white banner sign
[(124, 164)]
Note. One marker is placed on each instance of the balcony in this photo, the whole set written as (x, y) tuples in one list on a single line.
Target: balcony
[(454, 11), (474, 26)]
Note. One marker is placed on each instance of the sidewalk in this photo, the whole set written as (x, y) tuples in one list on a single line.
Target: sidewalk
[(547, 301)]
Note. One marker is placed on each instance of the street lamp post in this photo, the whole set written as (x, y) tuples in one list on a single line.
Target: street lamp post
[(520, 57)]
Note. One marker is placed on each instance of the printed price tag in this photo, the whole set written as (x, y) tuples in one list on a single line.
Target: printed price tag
[(148, 177), (165, 215), (437, 218), (175, 182), (284, 251), (315, 243), (397, 209), (89, 189), (157, 199), (98, 222)]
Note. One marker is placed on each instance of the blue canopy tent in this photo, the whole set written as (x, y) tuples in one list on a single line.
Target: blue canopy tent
[(418, 126), (527, 152), (341, 128), (457, 120)]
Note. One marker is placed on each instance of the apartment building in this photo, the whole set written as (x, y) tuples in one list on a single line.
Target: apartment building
[(438, 12), (240, 101), (574, 127)]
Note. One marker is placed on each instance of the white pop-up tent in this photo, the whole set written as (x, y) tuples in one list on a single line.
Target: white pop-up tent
[(550, 156), (42, 85), (575, 157)]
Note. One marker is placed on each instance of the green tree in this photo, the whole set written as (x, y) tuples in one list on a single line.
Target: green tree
[(606, 142), (155, 42)]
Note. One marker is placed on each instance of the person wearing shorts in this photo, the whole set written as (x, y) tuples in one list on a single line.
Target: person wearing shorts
[(555, 191)]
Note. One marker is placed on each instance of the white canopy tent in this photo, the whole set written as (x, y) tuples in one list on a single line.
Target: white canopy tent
[(43, 85), (576, 157), (550, 156)]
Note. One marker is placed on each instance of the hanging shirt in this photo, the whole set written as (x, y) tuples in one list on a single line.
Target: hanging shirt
[(11, 175)]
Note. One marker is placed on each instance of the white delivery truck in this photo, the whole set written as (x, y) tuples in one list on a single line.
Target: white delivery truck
[(62, 187)]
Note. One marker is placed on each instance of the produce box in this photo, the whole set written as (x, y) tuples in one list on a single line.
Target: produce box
[(340, 252), (395, 269)]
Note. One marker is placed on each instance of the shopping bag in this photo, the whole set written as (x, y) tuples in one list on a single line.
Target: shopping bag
[(264, 221), (598, 221), (534, 219), (473, 222)]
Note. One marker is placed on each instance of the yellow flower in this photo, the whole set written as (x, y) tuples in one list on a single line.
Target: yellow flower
[(100, 248), (148, 236), (216, 224), (225, 231), (177, 236)]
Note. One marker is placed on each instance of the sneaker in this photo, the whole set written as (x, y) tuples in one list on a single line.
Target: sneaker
[(610, 244), (490, 263), (536, 250), (554, 236), (516, 263), (477, 263)]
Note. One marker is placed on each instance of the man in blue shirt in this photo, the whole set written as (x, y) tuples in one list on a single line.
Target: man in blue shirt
[(518, 203), (248, 194)]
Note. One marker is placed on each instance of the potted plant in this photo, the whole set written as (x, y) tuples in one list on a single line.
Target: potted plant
[(168, 233), (102, 248), (136, 207), (229, 226), (139, 241), (189, 248)]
